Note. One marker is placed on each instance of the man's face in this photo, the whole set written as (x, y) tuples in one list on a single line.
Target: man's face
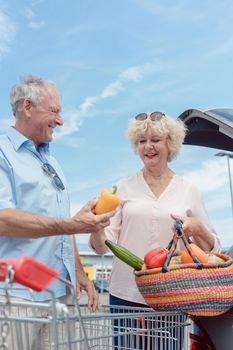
[(44, 118)]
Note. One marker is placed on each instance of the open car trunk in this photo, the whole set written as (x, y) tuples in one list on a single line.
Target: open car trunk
[(209, 127), (213, 128)]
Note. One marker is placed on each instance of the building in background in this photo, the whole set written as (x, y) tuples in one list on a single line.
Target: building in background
[(97, 267)]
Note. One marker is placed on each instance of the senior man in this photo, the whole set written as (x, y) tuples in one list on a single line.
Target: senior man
[(34, 201)]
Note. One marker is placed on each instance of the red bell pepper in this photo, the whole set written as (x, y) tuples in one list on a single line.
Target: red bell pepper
[(155, 257)]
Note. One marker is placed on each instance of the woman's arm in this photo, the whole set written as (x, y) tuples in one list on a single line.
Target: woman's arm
[(195, 229), (202, 234), (97, 242), (196, 223), (97, 239)]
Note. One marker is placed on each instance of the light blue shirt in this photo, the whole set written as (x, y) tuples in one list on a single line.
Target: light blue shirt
[(24, 185)]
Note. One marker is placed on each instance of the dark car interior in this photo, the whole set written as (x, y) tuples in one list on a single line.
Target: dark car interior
[(209, 128)]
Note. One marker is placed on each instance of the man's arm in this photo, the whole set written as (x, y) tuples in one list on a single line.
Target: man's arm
[(83, 282), (22, 224)]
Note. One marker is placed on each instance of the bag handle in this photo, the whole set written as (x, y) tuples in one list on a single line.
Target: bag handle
[(173, 244)]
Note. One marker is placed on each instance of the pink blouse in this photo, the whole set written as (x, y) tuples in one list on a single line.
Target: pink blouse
[(143, 222)]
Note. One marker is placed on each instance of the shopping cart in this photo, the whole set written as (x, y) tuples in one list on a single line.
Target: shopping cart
[(21, 321), (119, 327), (73, 326)]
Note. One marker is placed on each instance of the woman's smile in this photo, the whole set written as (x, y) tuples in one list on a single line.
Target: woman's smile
[(150, 155)]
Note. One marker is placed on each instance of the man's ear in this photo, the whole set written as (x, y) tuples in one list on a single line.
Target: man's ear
[(27, 104)]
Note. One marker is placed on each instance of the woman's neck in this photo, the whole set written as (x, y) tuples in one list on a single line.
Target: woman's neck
[(157, 174), (158, 180)]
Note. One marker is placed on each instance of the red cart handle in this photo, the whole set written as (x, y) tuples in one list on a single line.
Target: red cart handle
[(28, 272)]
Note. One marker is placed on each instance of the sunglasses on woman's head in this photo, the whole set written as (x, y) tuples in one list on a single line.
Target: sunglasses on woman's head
[(154, 116)]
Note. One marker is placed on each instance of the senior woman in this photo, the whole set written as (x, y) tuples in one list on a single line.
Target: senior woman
[(151, 200)]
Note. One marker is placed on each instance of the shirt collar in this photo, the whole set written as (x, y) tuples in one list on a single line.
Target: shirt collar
[(18, 140)]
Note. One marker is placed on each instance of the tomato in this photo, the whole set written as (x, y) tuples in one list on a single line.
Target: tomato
[(155, 257)]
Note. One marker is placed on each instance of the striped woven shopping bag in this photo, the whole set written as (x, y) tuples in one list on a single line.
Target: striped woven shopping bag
[(195, 288)]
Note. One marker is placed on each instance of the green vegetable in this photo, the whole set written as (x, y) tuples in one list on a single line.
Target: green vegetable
[(125, 255)]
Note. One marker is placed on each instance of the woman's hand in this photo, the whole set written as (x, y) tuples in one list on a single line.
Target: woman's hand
[(192, 227)]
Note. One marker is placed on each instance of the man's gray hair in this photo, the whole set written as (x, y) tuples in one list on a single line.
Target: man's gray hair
[(32, 88)]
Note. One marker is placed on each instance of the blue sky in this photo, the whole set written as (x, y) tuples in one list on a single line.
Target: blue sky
[(112, 60)]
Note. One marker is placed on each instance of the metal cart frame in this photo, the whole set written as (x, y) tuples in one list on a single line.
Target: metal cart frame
[(74, 327)]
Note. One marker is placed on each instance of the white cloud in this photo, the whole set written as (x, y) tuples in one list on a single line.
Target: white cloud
[(72, 124), (220, 200), (88, 103), (112, 89), (134, 74), (212, 175), (7, 31), (212, 178)]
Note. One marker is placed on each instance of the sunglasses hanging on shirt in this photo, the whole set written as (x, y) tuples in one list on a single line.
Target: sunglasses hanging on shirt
[(49, 170)]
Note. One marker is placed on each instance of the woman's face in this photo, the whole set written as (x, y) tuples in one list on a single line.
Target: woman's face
[(152, 149)]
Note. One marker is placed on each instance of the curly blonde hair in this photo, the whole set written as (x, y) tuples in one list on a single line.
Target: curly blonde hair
[(173, 129)]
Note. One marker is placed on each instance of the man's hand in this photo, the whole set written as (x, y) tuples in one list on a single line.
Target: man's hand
[(86, 221), (83, 283)]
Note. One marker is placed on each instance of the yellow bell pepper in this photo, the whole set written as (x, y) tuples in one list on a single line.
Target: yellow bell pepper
[(108, 201)]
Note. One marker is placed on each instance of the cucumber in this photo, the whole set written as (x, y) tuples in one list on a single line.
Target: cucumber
[(125, 255)]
